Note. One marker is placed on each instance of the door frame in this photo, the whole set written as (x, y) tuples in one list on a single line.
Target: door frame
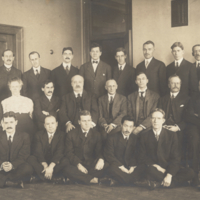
[(18, 33)]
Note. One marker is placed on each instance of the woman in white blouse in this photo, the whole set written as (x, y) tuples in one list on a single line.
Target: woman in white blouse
[(20, 105)]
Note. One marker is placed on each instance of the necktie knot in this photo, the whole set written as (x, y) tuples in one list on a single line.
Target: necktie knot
[(147, 63), (157, 136), (50, 139), (111, 99), (142, 94), (8, 69), (96, 62), (120, 68), (177, 65), (172, 96), (85, 133)]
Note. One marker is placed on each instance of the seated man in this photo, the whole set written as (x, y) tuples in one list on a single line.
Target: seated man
[(174, 105), (48, 158), (141, 103), (76, 101), (14, 150), (159, 151), (120, 154), (83, 148), (47, 104), (112, 107)]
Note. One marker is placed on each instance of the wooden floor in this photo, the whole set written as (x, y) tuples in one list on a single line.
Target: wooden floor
[(45, 191)]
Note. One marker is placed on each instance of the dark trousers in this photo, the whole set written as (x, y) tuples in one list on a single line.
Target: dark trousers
[(125, 179), (38, 167), (22, 172), (73, 173), (192, 137), (183, 175)]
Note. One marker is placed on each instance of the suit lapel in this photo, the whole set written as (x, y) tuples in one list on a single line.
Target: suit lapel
[(122, 140), (115, 102), (99, 69), (137, 105), (160, 142), (151, 65), (147, 97), (3, 141), (90, 69), (81, 135), (84, 99), (15, 143), (31, 72), (106, 102), (44, 140), (42, 73), (54, 141)]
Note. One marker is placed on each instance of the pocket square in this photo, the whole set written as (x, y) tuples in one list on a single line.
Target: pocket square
[(182, 105)]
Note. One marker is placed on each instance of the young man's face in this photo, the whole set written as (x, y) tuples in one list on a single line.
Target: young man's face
[(197, 53), (50, 124), (148, 50), (120, 57), (127, 127), (8, 57), (9, 124), (48, 89), (177, 52), (35, 60), (85, 122), (141, 81), (157, 120), (95, 53), (67, 56)]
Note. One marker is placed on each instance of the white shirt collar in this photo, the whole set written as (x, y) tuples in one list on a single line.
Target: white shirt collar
[(38, 69), (95, 61), (125, 136), (197, 63), (49, 97), (50, 134), (175, 94), (76, 94), (179, 62), (66, 64), (86, 132), (157, 132), (149, 60), (12, 136), (111, 95), (122, 66), (8, 66)]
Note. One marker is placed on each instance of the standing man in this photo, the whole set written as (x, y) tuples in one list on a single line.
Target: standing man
[(141, 103), (124, 74), (159, 152), (7, 72), (34, 78), (174, 105), (47, 104), (196, 54), (48, 155), (154, 69), (83, 148), (184, 69), (14, 150), (95, 72), (76, 101), (120, 153), (62, 74), (112, 108)]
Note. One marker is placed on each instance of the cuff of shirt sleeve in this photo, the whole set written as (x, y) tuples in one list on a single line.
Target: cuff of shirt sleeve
[(169, 175), (93, 124), (142, 126), (114, 125), (178, 127), (68, 123)]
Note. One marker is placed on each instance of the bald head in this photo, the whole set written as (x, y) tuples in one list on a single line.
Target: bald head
[(77, 82)]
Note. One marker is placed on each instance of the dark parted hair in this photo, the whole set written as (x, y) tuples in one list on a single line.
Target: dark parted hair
[(158, 110), (177, 44), (48, 116), (196, 45), (47, 82), (127, 118), (172, 76), (149, 42), (141, 73), (120, 49), (84, 113), (7, 50), (9, 114), (33, 52), (94, 45), (67, 48)]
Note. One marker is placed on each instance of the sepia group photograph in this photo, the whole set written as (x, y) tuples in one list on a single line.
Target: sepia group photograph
[(99, 99)]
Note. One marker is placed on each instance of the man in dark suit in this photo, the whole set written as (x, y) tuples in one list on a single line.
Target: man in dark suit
[(112, 107), (83, 148), (184, 69), (34, 78), (95, 72), (47, 104), (62, 74), (48, 159), (154, 69), (196, 54), (76, 101), (120, 153), (14, 150), (124, 74), (141, 103), (174, 105), (159, 151), (7, 72)]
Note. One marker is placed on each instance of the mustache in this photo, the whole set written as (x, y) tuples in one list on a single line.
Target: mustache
[(78, 86), (8, 128), (67, 58), (8, 60), (50, 92), (126, 132), (175, 88)]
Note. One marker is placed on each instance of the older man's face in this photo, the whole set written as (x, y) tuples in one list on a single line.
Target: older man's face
[(77, 84), (174, 84), (8, 58)]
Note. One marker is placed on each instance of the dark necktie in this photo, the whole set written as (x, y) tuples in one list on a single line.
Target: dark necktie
[(157, 136), (37, 74), (172, 96), (95, 62), (142, 95), (85, 133), (9, 144), (147, 63), (110, 107), (8, 69), (67, 69), (120, 70), (176, 66), (50, 139)]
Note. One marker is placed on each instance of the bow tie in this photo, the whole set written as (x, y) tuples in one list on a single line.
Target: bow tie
[(95, 62)]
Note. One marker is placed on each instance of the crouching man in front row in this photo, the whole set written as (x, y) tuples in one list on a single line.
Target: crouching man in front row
[(14, 150), (84, 150), (48, 158), (120, 153), (159, 151)]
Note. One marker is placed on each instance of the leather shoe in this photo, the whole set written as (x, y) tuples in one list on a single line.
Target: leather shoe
[(153, 184), (19, 184), (113, 182), (60, 180)]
